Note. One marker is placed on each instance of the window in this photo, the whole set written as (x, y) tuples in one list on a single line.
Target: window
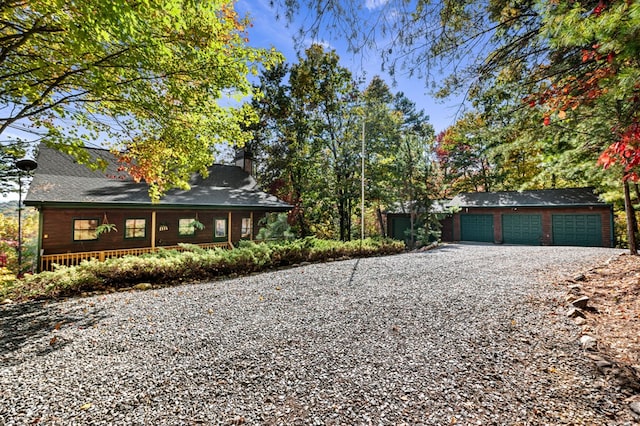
[(220, 228), (186, 227), (85, 229), (245, 230), (135, 228)]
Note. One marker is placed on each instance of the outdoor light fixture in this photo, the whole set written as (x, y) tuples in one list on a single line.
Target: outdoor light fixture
[(24, 165)]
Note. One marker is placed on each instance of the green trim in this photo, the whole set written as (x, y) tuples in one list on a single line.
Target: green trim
[(73, 229), (226, 229), (125, 228), (529, 206), (40, 236), (193, 228), (247, 237)]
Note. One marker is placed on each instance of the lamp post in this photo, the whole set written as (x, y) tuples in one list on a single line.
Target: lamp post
[(24, 165)]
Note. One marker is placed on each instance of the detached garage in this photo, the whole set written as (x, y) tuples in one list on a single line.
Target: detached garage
[(571, 217)]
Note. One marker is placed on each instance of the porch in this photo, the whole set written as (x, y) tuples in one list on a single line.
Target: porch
[(47, 261)]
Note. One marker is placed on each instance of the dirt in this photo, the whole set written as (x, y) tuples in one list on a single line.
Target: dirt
[(612, 316)]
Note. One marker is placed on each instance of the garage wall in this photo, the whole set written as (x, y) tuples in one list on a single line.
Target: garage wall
[(546, 214)]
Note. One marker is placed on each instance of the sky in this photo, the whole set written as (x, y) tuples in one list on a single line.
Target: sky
[(268, 31)]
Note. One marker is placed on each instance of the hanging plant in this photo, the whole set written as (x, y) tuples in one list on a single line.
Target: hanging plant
[(105, 226), (196, 224)]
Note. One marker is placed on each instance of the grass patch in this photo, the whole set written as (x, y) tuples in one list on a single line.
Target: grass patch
[(170, 267)]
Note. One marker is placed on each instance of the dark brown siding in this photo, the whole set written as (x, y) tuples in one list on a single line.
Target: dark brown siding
[(547, 237), (57, 228)]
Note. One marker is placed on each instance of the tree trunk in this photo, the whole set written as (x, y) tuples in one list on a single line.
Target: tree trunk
[(383, 231), (630, 213), (412, 219), (341, 216), (635, 216)]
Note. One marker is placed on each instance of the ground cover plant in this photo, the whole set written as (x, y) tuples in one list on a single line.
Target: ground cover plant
[(168, 267)]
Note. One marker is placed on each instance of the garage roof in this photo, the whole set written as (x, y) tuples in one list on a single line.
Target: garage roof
[(566, 197)]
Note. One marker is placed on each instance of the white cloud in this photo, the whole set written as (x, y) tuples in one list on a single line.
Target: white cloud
[(375, 4)]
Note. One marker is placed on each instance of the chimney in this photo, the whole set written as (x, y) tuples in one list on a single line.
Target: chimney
[(244, 160)]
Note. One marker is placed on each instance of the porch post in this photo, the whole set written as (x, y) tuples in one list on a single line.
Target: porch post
[(251, 229), (229, 231), (153, 230)]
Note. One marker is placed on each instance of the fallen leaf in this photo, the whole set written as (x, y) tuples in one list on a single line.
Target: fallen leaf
[(57, 326), (86, 406), (53, 340)]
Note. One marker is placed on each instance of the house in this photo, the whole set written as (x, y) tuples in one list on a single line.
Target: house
[(571, 216), (74, 202)]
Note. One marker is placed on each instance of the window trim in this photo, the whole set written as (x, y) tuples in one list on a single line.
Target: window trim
[(144, 228), (74, 229), (193, 228), (215, 228), (249, 229)]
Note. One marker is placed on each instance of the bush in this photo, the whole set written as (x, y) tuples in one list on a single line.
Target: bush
[(194, 264)]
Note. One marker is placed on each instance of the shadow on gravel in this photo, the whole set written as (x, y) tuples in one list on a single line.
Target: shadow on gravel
[(27, 323), (353, 272)]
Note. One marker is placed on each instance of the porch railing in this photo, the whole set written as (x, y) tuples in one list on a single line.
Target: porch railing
[(72, 259)]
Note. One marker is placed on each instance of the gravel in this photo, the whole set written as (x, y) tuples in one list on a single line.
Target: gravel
[(464, 334)]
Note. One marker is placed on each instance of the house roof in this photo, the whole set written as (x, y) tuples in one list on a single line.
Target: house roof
[(59, 179), (567, 197)]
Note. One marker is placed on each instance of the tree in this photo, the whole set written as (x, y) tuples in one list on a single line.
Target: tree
[(307, 130), (145, 76), (9, 173), (328, 95), (282, 137), (574, 62), (381, 126)]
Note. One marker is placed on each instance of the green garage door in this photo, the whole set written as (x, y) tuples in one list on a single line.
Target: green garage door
[(577, 230), (399, 225), (522, 229), (476, 227)]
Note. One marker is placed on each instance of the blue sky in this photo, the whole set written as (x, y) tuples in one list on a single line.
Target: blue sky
[(268, 31)]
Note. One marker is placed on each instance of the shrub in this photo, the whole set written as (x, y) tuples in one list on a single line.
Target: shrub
[(171, 266)]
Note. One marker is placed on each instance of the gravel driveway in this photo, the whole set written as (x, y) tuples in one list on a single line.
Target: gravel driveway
[(464, 334)]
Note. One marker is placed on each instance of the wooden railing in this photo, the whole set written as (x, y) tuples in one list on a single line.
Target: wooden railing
[(71, 259)]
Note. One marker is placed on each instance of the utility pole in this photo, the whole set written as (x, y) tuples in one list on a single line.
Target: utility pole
[(362, 186)]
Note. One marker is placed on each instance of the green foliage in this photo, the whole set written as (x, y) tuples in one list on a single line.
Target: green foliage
[(310, 134), (105, 227), (194, 264), (147, 76), (9, 238), (196, 224), (275, 226)]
